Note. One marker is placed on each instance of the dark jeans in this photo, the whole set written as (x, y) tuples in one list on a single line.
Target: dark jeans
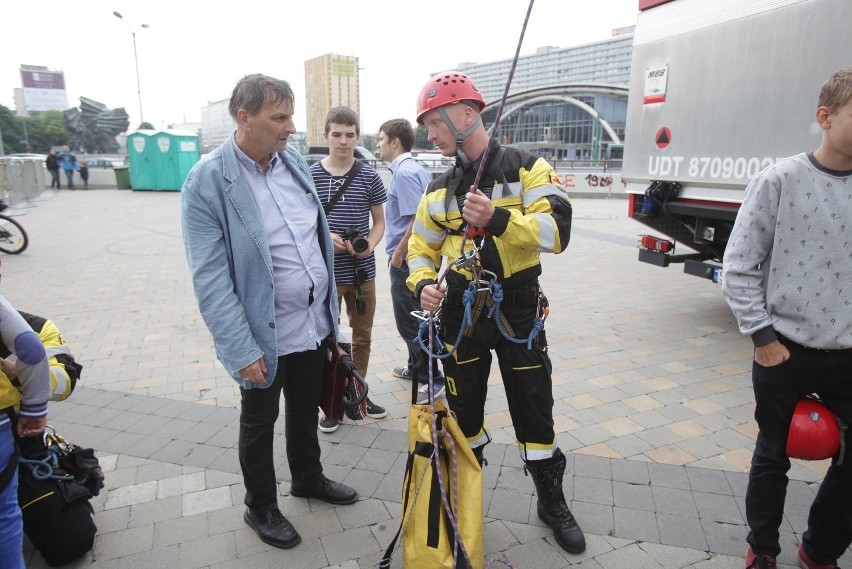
[(70, 175), (407, 325), (54, 178), (777, 389), (299, 376), (11, 524)]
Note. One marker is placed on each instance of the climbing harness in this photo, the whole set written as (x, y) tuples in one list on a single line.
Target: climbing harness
[(483, 284)]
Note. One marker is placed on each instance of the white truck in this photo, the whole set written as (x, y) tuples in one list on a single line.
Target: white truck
[(719, 90)]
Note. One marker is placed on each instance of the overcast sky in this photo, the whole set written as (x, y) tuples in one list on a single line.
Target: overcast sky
[(195, 51)]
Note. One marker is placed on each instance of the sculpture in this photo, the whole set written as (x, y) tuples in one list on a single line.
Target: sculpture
[(93, 127)]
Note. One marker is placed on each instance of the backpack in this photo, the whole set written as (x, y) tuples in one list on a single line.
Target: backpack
[(429, 536), (56, 480)]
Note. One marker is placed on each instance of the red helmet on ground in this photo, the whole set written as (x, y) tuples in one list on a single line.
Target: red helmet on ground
[(445, 88), (814, 431)]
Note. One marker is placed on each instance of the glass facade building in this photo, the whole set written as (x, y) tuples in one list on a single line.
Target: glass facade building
[(564, 103)]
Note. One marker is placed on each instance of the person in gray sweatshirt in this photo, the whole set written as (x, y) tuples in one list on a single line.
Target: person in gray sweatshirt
[(788, 280)]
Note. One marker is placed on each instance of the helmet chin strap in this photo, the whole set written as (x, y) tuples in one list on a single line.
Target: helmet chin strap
[(459, 135)]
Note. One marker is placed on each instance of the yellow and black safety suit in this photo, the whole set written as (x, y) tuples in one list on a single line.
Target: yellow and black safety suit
[(532, 215)]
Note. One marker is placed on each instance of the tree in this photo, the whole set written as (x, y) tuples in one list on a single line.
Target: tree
[(11, 129), (421, 141), (146, 126), (45, 129), (54, 129), (368, 141)]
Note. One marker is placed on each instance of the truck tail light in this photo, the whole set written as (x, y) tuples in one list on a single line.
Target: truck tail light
[(652, 243)]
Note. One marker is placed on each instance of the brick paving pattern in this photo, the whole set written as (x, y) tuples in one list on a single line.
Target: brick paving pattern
[(653, 406)]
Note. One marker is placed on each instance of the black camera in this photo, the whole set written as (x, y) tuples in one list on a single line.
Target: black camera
[(359, 243)]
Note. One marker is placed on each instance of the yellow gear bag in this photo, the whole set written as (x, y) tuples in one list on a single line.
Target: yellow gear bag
[(428, 536)]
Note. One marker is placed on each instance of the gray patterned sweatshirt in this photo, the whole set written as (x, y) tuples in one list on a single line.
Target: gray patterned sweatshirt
[(788, 262), (32, 367)]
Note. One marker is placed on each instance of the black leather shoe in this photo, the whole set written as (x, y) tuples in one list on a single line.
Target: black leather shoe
[(327, 491), (273, 528)]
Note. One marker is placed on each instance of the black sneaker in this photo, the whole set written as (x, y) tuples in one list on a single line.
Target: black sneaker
[(375, 411), (327, 425)]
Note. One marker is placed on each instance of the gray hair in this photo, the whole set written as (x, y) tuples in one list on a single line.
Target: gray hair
[(254, 91)]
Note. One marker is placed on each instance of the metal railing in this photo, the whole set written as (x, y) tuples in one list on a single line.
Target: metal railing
[(602, 165), (21, 179)]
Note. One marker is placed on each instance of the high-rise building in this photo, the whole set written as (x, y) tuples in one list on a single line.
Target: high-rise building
[(331, 80), (42, 90)]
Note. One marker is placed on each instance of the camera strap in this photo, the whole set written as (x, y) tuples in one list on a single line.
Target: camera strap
[(360, 301), (327, 207)]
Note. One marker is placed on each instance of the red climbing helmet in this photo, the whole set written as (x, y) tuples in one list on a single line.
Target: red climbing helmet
[(445, 88), (814, 431)]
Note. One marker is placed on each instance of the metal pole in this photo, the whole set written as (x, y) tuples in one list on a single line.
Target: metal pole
[(135, 61), (26, 135), (138, 84)]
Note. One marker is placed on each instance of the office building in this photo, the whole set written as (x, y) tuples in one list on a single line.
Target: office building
[(216, 124), (564, 103), (331, 80)]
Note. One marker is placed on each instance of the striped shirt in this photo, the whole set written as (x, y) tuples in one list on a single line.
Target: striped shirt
[(352, 210)]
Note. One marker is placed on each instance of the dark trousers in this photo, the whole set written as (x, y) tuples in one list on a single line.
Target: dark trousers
[(526, 373), (54, 178), (777, 389), (299, 376), (408, 326), (70, 175)]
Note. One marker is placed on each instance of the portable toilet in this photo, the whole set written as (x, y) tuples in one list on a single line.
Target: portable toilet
[(165, 158), (143, 171)]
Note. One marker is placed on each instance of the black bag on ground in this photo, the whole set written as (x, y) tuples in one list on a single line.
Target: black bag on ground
[(56, 480)]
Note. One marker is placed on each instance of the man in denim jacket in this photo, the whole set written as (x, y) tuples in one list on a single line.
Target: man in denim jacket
[(261, 259)]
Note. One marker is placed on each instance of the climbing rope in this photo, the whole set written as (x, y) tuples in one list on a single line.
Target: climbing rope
[(43, 469), (494, 312)]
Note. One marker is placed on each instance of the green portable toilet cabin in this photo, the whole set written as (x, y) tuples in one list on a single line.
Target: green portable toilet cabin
[(142, 171), (161, 159)]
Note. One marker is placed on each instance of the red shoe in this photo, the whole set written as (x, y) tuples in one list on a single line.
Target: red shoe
[(807, 563), (754, 561)]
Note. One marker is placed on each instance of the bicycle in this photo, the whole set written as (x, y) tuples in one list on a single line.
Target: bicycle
[(13, 237)]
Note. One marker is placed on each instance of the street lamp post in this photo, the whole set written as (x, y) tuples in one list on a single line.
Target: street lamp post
[(136, 61)]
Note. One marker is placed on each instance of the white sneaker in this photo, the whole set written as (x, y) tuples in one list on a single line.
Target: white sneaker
[(423, 392)]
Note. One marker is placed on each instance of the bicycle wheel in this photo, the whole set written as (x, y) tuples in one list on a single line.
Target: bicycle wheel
[(13, 238)]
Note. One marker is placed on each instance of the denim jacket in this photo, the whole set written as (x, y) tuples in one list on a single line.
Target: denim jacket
[(230, 263)]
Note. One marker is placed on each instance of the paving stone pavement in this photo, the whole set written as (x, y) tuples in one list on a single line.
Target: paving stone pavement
[(653, 407)]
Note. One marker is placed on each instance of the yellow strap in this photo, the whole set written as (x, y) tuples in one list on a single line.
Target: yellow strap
[(30, 503)]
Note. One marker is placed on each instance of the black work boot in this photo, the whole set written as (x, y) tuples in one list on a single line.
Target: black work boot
[(547, 475)]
